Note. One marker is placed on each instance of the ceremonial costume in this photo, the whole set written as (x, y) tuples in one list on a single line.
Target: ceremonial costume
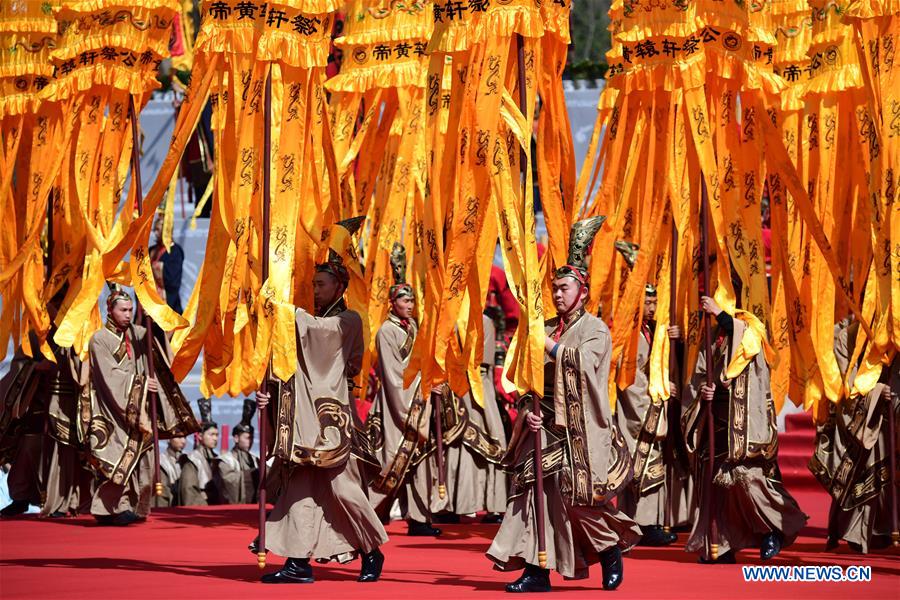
[(585, 460), (170, 477), (68, 484), (322, 512), (115, 418), (199, 484), (750, 504), (475, 443), (644, 425), (238, 468), (852, 456), (22, 423)]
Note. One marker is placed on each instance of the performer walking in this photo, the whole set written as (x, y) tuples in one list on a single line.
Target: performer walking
[(115, 416), (399, 421), (321, 512), (852, 456), (585, 459), (644, 424), (750, 505)]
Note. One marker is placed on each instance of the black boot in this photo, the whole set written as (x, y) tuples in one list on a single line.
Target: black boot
[(105, 519), (533, 579), (15, 509), (295, 570), (771, 545), (446, 519), (371, 566), (655, 536), (422, 529), (723, 559), (124, 519), (492, 519), (611, 561)]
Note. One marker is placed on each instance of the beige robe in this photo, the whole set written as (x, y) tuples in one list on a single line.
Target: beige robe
[(239, 477), (114, 418), (852, 455), (199, 483), (322, 511), (398, 426), (169, 476), (645, 427), (68, 484), (748, 499), (585, 459), (475, 480)]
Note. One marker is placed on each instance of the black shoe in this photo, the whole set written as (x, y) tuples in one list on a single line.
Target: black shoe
[(723, 559), (295, 570), (446, 519), (58, 514), (104, 519), (124, 519), (422, 529), (371, 566), (611, 561), (492, 519), (533, 579), (655, 536), (15, 509), (771, 545), (830, 544), (856, 547)]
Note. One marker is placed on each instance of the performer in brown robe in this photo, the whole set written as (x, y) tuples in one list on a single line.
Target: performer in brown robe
[(199, 484), (23, 417), (238, 468), (322, 512), (852, 456), (585, 459), (475, 442), (115, 416), (399, 421), (170, 473), (751, 506), (644, 424)]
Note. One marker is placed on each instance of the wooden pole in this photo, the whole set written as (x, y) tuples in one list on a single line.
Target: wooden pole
[(712, 531), (439, 441), (266, 212), (536, 398), (148, 322), (674, 375), (892, 448)]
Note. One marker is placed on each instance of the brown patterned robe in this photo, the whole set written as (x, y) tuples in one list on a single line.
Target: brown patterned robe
[(852, 456), (586, 461), (398, 426), (322, 511), (748, 497), (645, 427), (239, 477), (114, 418)]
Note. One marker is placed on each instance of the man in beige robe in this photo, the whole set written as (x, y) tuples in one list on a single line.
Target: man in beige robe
[(645, 427), (399, 421), (750, 504), (852, 456), (585, 459), (475, 443), (115, 414), (170, 473), (199, 484), (239, 468), (322, 512)]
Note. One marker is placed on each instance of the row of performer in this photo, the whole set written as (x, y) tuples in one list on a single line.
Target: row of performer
[(570, 481)]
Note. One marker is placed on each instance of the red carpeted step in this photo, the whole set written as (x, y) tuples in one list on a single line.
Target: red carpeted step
[(795, 447)]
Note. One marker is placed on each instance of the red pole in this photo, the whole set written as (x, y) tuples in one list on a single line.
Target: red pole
[(713, 533), (261, 416), (148, 322), (674, 375), (892, 448)]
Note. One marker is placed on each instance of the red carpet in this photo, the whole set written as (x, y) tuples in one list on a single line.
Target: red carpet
[(201, 553)]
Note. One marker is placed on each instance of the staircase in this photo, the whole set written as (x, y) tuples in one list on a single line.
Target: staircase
[(795, 447)]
